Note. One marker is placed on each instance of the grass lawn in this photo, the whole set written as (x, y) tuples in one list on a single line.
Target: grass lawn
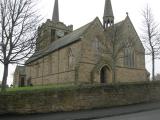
[(66, 86), (42, 88)]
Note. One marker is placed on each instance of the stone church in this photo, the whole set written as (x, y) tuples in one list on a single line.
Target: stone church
[(90, 54)]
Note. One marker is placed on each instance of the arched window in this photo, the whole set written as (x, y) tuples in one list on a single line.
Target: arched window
[(129, 57), (95, 45), (71, 58)]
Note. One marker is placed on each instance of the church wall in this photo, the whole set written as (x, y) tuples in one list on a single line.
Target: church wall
[(135, 74), (138, 72), (131, 35), (84, 74), (92, 54), (140, 61), (120, 59), (84, 62), (91, 58), (16, 79), (28, 71), (57, 67), (60, 66), (130, 75)]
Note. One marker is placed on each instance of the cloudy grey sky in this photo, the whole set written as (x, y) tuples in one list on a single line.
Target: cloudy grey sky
[(80, 12)]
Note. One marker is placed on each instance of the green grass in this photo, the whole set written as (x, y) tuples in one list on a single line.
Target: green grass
[(58, 87), (53, 87), (41, 88)]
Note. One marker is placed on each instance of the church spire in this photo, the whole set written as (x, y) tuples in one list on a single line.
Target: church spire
[(55, 16), (108, 18)]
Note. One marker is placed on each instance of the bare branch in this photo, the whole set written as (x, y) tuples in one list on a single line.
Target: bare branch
[(151, 36), (18, 24)]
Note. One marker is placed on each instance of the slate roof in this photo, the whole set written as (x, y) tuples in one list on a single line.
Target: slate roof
[(60, 43), (120, 24)]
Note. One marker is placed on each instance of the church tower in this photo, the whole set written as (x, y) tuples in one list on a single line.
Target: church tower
[(108, 17), (55, 16), (52, 30)]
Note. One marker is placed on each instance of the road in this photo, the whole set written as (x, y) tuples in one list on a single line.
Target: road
[(145, 111), (149, 115)]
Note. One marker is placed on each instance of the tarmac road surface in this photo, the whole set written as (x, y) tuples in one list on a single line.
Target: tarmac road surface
[(147, 115)]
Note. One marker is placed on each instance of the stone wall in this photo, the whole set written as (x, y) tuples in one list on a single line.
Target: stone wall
[(78, 98), (58, 67), (93, 52), (134, 75)]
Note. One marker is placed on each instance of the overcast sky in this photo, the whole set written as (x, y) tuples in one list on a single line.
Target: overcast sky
[(80, 12)]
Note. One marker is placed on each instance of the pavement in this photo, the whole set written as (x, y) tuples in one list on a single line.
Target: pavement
[(87, 114), (146, 115)]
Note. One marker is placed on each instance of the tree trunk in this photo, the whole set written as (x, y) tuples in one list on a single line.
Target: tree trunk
[(4, 80), (153, 66)]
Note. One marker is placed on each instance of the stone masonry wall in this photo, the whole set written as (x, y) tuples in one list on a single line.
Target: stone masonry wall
[(134, 75), (58, 67), (78, 98)]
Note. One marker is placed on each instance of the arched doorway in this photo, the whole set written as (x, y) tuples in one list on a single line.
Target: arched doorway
[(104, 74)]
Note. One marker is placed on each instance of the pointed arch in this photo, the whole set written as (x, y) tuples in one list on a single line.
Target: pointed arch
[(71, 58), (105, 73), (129, 57), (96, 45)]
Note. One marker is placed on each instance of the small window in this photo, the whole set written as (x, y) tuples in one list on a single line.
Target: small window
[(53, 35)]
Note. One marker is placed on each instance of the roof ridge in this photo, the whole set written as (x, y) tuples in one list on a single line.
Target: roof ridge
[(59, 43), (120, 22), (60, 39)]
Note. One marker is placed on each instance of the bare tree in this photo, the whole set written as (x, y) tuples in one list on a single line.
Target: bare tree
[(151, 36), (18, 23)]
